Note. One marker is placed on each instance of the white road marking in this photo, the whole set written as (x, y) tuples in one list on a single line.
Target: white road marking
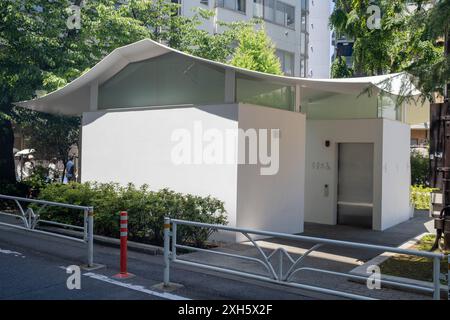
[(14, 253), (134, 287)]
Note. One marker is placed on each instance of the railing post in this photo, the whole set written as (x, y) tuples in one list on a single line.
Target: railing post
[(436, 278), (90, 236), (166, 251), (85, 225), (174, 241)]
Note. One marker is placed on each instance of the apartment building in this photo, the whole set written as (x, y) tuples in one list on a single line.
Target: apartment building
[(303, 49), (320, 39)]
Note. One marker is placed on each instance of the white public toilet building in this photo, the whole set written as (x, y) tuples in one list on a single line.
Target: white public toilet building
[(277, 150)]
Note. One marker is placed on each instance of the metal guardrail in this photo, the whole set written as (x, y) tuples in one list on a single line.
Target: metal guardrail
[(276, 274), (31, 219)]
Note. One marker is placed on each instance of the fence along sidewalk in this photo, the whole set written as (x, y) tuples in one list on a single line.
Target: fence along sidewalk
[(276, 274), (31, 220)]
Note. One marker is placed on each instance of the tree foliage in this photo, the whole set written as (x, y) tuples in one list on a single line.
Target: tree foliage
[(339, 69), (256, 51), (405, 41), (432, 71), (51, 135)]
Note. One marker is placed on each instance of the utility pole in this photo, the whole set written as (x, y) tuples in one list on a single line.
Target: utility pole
[(440, 160)]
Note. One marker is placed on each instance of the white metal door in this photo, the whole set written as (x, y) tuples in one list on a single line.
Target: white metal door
[(355, 184)]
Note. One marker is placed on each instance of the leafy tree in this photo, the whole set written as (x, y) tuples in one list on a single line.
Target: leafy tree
[(40, 49), (255, 51), (51, 135), (432, 74), (339, 68), (377, 50), (405, 40), (420, 169)]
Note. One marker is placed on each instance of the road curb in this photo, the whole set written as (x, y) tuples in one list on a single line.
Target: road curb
[(111, 242)]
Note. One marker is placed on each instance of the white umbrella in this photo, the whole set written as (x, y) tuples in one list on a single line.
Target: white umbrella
[(24, 152)]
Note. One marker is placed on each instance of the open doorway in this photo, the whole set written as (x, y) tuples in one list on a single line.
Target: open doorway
[(355, 184)]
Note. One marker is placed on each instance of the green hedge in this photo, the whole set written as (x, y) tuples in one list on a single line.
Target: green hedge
[(421, 197), (146, 210), (420, 168)]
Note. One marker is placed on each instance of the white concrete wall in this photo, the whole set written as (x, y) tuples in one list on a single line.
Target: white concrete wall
[(318, 207), (135, 146), (319, 39), (396, 173), (274, 202)]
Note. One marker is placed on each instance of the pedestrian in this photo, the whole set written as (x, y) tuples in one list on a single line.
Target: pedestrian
[(70, 171), (51, 171), (19, 168), (28, 167)]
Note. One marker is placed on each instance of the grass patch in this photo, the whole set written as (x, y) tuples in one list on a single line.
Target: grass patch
[(413, 267)]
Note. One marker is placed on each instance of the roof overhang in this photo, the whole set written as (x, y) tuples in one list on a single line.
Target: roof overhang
[(74, 98)]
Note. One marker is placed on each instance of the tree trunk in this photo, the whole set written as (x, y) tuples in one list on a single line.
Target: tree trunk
[(7, 167)]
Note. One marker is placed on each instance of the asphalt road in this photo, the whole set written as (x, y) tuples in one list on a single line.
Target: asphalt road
[(33, 266)]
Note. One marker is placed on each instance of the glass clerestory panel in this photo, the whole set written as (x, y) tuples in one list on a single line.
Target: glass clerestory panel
[(388, 107), (264, 93), (169, 79), (323, 105)]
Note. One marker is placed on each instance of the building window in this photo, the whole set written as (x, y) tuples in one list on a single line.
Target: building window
[(265, 93), (304, 23), (275, 11), (168, 79), (177, 2), (287, 62), (303, 66), (304, 37), (305, 5), (205, 2), (237, 5), (258, 8), (285, 15)]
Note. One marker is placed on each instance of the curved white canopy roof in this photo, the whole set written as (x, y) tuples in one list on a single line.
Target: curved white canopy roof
[(74, 98)]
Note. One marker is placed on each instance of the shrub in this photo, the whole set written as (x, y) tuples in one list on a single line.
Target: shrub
[(146, 210), (12, 189), (37, 180), (421, 197), (28, 188), (420, 169)]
